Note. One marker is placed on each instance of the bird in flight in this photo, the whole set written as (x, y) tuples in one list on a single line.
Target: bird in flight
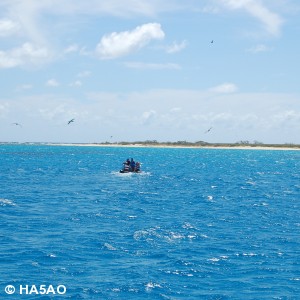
[(207, 131), (212, 41), (17, 124), (71, 121)]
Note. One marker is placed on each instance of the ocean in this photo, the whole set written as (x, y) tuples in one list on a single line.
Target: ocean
[(195, 224)]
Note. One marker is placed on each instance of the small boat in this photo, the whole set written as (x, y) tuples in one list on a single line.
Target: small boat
[(125, 171), (130, 166)]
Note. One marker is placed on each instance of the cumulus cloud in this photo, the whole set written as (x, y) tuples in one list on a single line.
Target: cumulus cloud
[(175, 109), (71, 49), (176, 47), (148, 116), (76, 83), (52, 83), (224, 88), (8, 27), (83, 74), (152, 66), (123, 43), (4, 108), (259, 48), (271, 21), (26, 54), (24, 86)]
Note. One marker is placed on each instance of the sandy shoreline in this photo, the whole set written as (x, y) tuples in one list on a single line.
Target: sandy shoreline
[(234, 147)]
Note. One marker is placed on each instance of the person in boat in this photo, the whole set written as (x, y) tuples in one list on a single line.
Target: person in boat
[(132, 165), (137, 167), (126, 166)]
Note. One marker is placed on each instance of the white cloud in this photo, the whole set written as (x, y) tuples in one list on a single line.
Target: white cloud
[(8, 27), (176, 47), (113, 7), (234, 117), (224, 88), (71, 49), (84, 74), (271, 21), (175, 109), (52, 83), (123, 43), (26, 54), (151, 66), (76, 83), (148, 116), (24, 86), (287, 118), (259, 48), (4, 109)]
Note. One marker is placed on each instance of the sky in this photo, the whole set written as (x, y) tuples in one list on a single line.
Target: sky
[(137, 70)]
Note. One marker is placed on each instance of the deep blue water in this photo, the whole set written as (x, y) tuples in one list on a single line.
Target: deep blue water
[(196, 224)]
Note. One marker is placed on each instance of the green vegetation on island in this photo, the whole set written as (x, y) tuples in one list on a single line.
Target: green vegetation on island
[(202, 144)]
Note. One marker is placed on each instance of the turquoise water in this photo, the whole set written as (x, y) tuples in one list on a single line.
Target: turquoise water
[(196, 224)]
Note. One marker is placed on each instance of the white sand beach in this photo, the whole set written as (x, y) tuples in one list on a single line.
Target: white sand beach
[(162, 145)]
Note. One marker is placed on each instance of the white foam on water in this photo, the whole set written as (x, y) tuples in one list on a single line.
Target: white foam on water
[(109, 247), (151, 285), (210, 198), (5, 202)]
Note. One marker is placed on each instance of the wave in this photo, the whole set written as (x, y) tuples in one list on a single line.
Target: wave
[(6, 202)]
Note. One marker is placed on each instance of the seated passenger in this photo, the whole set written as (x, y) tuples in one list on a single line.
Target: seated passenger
[(126, 167), (137, 167), (132, 165)]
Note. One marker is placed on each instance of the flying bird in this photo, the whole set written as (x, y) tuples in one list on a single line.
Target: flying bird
[(71, 121), (212, 41), (17, 124), (207, 131)]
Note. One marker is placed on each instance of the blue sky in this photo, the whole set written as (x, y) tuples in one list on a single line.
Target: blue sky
[(148, 70)]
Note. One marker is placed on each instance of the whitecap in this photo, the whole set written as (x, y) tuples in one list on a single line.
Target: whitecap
[(214, 259), (249, 254), (187, 226), (176, 235), (224, 256), (5, 202), (132, 217), (151, 285), (109, 247), (192, 236), (144, 173), (251, 182), (140, 234), (149, 193)]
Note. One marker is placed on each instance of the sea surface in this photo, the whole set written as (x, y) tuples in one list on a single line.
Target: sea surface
[(195, 224)]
